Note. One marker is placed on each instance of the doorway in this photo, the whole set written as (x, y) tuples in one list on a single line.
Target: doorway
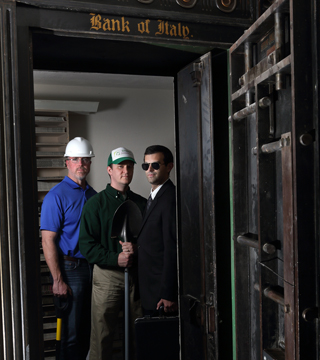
[(132, 81), (58, 50), (170, 61)]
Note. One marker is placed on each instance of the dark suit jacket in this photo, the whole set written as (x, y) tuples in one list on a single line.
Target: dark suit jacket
[(157, 250)]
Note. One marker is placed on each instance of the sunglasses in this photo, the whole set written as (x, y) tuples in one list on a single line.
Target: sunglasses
[(154, 165)]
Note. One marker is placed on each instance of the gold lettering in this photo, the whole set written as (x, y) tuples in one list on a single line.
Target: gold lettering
[(141, 28), (144, 27), (147, 26), (160, 27), (95, 22), (185, 32), (167, 30), (125, 25), (173, 31), (109, 24), (164, 28), (106, 25), (114, 22)]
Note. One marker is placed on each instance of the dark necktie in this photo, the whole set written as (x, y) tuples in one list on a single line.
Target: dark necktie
[(149, 202)]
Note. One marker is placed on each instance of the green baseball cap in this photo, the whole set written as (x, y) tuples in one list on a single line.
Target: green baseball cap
[(120, 154)]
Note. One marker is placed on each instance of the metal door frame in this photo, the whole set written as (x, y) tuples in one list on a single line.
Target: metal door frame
[(300, 148)]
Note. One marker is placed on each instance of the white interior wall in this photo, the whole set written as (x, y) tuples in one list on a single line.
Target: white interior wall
[(131, 117)]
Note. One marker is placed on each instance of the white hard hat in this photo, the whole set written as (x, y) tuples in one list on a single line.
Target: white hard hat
[(79, 147)]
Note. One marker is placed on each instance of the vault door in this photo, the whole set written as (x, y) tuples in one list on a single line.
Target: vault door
[(198, 124), (273, 182)]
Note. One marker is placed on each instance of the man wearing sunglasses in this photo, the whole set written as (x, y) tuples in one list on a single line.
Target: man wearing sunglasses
[(71, 272), (157, 252), (109, 256)]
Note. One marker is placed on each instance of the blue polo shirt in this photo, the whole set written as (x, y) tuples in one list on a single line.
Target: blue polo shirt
[(61, 213)]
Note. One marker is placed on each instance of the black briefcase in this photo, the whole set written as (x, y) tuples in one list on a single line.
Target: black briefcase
[(157, 338)]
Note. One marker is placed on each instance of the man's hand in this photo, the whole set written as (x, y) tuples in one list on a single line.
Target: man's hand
[(60, 288), (169, 306), (128, 247), (125, 259)]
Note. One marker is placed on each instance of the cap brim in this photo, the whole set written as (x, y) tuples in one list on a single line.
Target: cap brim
[(118, 161)]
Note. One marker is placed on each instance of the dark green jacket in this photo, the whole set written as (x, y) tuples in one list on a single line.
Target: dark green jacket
[(95, 241)]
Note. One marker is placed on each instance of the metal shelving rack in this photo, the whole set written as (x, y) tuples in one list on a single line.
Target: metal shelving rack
[(52, 136)]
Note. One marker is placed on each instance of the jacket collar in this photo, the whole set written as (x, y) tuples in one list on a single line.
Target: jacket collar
[(115, 193)]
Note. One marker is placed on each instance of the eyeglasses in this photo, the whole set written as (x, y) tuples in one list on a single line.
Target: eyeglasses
[(82, 160), (154, 165)]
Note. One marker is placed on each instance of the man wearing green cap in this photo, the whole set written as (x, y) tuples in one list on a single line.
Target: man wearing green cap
[(109, 256)]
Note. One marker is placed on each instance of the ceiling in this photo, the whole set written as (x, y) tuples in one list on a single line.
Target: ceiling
[(66, 60), (60, 78)]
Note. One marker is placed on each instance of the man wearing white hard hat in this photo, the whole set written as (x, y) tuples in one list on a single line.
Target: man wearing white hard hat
[(71, 272), (109, 256)]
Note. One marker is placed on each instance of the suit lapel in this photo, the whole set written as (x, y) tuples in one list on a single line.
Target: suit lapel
[(154, 203)]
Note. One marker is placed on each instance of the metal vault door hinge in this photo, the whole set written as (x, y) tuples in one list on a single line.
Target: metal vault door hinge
[(196, 73), (211, 315), (211, 319)]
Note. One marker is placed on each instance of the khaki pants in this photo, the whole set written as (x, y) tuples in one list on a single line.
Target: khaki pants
[(107, 301)]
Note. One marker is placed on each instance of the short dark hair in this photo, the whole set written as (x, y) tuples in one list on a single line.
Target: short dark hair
[(167, 154)]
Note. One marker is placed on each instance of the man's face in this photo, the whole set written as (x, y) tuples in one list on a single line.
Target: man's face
[(121, 174), (157, 177), (78, 168)]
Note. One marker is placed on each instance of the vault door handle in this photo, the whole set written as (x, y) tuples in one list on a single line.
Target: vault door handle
[(310, 314)]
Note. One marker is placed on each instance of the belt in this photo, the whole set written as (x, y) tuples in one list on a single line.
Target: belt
[(70, 258)]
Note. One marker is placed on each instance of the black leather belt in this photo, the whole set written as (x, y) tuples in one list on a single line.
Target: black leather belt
[(70, 258)]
